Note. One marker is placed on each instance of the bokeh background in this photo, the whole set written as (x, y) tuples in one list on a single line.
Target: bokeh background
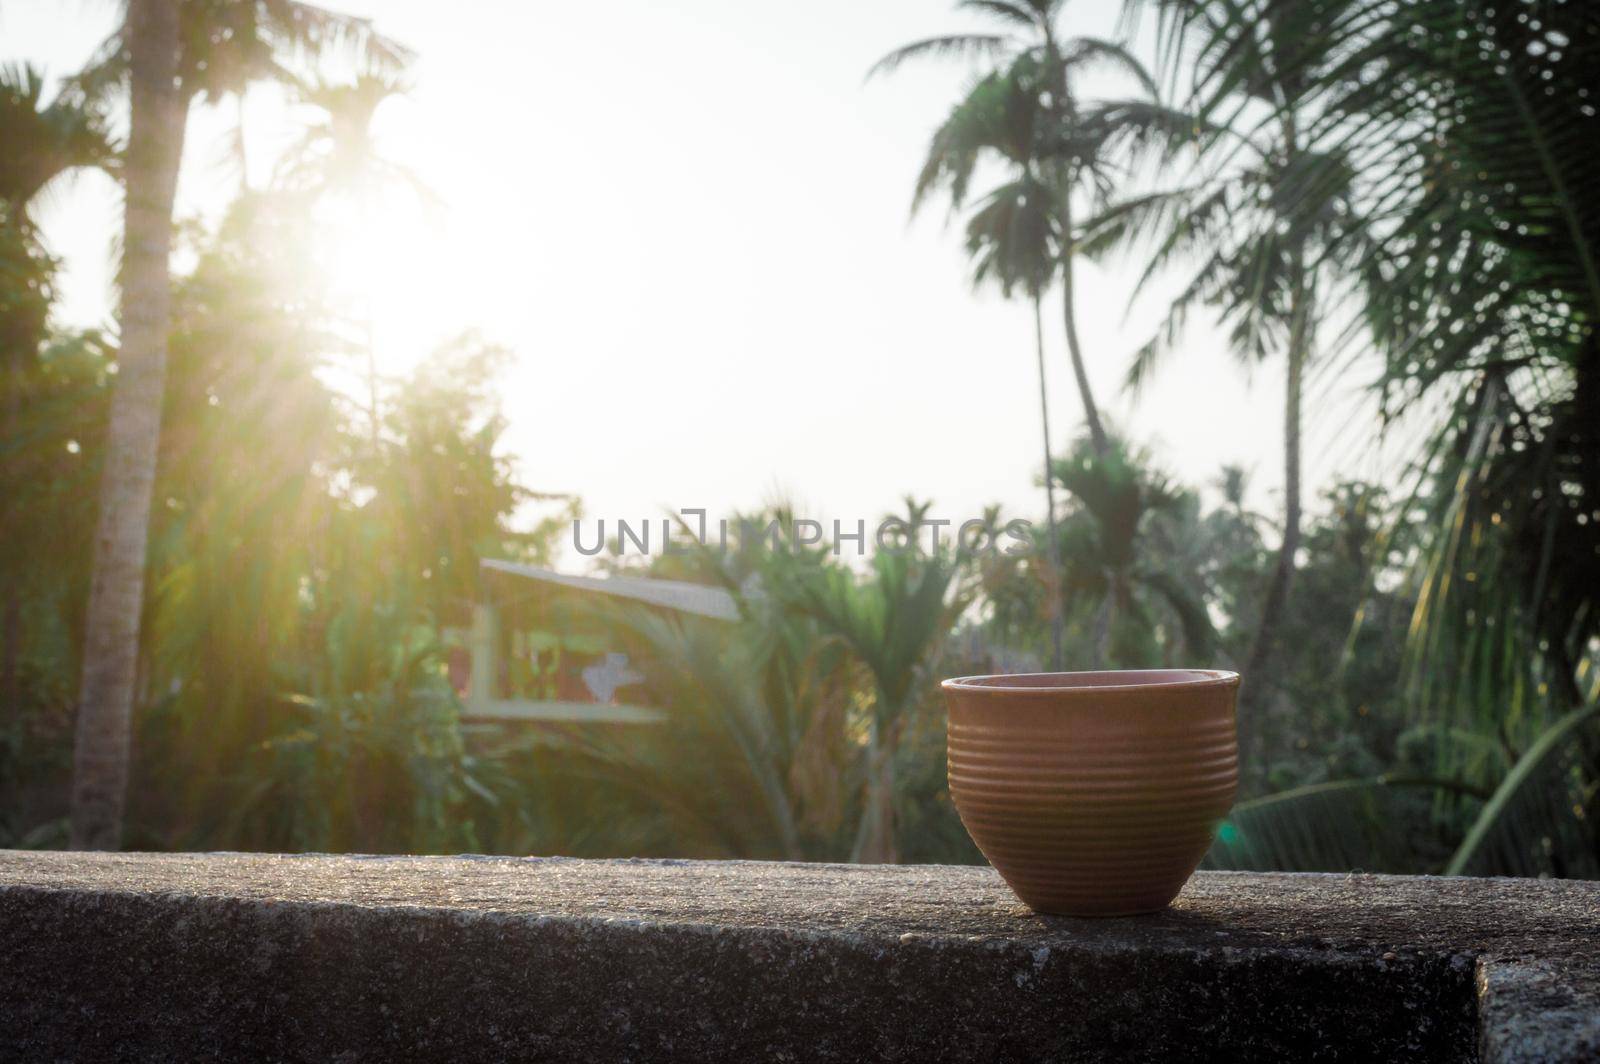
[(1297, 296)]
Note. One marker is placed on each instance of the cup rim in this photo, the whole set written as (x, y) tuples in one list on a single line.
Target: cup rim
[(1100, 681)]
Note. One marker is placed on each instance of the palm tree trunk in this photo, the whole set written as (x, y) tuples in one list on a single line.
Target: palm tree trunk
[(1061, 112), (1254, 704), (1102, 626), (116, 596), (1091, 411), (374, 416), (875, 839), (370, 327), (1056, 605)]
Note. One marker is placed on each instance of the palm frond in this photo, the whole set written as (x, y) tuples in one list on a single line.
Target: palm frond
[(1367, 825), (949, 46), (227, 46), (1141, 131), (1540, 820), (1012, 237), (1082, 52), (1012, 11), (1199, 634), (44, 140)]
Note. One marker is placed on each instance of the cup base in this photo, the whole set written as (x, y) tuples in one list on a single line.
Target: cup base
[(1098, 914)]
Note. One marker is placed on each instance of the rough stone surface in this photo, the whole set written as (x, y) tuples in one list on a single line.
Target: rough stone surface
[(251, 956)]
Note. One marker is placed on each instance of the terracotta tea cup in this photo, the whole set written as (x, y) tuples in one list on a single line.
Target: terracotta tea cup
[(1094, 793)]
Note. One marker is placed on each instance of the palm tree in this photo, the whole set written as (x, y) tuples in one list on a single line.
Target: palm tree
[(1483, 292), (1067, 150), (751, 759), (116, 597), (169, 53), (338, 154), (1267, 235), (1118, 537), (1471, 126), (1013, 237), (894, 623), (1476, 125), (44, 142), (338, 157), (749, 710)]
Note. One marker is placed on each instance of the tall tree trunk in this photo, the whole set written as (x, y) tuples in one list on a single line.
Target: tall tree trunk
[(116, 596), (1069, 313), (370, 329), (1257, 694), (875, 839), (1056, 605), (1062, 114), (1102, 625)]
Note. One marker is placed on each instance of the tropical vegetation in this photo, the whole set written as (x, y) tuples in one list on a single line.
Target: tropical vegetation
[(1401, 192)]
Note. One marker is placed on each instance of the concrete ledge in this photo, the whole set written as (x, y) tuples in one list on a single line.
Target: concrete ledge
[(240, 956)]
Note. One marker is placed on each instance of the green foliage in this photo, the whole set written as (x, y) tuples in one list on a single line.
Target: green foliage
[(1413, 180), (1133, 575), (785, 731), (45, 140), (299, 578), (893, 622), (1482, 294), (52, 404), (226, 45), (1540, 820), (1370, 825), (727, 772), (371, 758), (1456, 132), (1143, 608)]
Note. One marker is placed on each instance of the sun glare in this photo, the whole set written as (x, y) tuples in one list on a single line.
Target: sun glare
[(380, 264)]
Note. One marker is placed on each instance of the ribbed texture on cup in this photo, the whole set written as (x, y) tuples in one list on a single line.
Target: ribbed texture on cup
[(1094, 801)]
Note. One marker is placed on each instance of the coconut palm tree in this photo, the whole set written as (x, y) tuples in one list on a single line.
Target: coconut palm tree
[(1470, 129), (1267, 235), (1475, 125), (167, 54), (1069, 146), (116, 597), (1483, 291)]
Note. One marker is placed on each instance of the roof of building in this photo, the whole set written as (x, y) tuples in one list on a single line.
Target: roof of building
[(699, 599)]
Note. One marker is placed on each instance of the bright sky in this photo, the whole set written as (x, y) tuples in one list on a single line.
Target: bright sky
[(689, 222)]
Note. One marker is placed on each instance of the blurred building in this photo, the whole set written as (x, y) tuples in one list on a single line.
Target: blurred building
[(548, 646)]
